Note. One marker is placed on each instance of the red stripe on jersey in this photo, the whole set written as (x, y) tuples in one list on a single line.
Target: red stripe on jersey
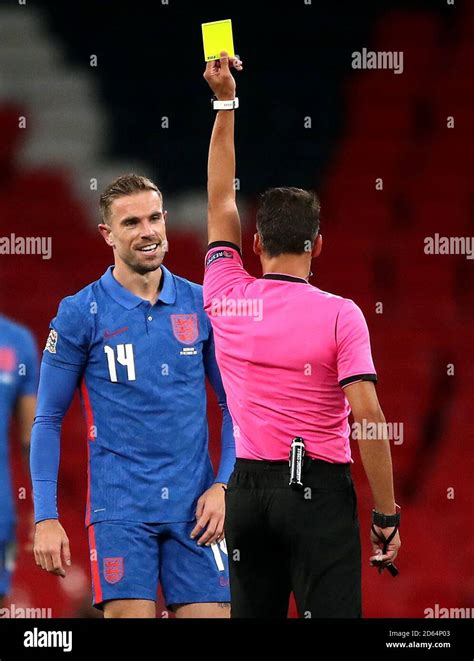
[(90, 437), (94, 557), (89, 413)]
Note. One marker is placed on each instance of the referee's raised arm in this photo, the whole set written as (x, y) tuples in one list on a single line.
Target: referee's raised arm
[(223, 216)]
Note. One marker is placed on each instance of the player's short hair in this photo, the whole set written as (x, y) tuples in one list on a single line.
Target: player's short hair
[(288, 220), (127, 184)]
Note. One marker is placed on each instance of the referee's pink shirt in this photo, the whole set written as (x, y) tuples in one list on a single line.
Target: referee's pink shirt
[(285, 350)]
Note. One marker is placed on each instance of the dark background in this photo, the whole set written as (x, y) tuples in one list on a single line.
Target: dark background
[(298, 58)]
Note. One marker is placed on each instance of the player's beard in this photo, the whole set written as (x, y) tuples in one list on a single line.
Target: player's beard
[(142, 267)]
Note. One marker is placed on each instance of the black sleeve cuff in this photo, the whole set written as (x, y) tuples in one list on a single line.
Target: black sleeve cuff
[(358, 377), (224, 244)]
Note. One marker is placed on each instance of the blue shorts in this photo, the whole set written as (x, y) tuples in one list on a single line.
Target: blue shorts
[(7, 564), (129, 559)]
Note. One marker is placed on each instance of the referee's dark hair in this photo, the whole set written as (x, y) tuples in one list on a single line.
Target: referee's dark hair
[(288, 220)]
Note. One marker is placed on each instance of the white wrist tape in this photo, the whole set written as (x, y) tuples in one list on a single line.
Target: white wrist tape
[(233, 104)]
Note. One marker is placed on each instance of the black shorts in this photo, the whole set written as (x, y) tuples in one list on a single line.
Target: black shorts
[(281, 540)]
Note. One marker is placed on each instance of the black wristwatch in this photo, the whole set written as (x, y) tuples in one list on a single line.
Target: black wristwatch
[(385, 520)]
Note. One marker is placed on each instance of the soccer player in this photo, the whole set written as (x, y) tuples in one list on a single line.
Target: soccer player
[(139, 346), (294, 361), (18, 383)]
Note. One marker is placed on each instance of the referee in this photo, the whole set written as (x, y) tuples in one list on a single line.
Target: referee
[(294, 361)]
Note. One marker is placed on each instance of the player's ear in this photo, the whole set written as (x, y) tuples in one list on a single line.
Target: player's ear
[(257, 244), (165, 216), (318, 246), (106, 232)]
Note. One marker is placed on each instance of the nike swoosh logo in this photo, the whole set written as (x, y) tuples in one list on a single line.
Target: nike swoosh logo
[(109, 334)]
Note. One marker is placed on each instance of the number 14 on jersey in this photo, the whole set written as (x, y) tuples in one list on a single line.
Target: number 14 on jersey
[(125, 357)]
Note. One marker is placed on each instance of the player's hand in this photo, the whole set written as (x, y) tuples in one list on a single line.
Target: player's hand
[(379, 559), (219, 77), (210, 515), (51, 547)]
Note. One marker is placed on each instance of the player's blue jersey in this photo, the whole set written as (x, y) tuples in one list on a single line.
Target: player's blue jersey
[(141, 370), (18, 377)]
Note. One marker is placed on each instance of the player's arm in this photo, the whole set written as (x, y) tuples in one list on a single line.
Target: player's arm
[(64, 360), (223, 215), (226, 465), (376, 459), (210, 508), (26, 398), (25, 414), (55, 393)]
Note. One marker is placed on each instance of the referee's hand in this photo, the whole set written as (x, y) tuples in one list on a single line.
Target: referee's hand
[(219, 76), (379, 558), (210, 515), (51, 547)]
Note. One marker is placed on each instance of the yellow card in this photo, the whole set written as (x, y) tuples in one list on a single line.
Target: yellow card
[(217, 36)]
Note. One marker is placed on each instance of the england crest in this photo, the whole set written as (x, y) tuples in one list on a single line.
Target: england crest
[(185, 327), (113, 570)]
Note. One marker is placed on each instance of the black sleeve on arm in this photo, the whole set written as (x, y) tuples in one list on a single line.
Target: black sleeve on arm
[(358, 377), (224, 244)]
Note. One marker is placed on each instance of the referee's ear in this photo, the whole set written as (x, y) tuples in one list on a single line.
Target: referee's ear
[(257, 244), (318, 246)]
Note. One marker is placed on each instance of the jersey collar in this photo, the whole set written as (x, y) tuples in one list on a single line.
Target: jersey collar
[(283, 276), (128, 300), (168, 290)]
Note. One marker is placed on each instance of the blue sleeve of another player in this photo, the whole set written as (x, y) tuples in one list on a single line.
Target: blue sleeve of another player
[(29, 367), (55, 392), (227, 462)]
